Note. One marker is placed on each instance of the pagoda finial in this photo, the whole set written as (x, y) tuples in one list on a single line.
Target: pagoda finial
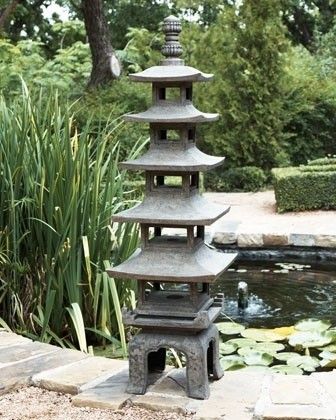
[(172, 48)]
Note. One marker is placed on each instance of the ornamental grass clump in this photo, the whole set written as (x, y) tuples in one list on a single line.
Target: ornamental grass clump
[(59, 186)]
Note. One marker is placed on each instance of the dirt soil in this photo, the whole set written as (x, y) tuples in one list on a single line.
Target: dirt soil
[(34, 403)]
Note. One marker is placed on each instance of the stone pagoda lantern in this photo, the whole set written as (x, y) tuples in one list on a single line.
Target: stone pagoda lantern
[(174, 272)]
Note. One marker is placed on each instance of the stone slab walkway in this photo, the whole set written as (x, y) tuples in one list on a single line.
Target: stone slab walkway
[(254, 222), (98, 382)]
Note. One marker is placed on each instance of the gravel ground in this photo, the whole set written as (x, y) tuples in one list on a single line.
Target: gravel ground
[(34, 403)]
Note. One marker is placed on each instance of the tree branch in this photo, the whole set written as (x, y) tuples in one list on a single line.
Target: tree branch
[(7, 13)]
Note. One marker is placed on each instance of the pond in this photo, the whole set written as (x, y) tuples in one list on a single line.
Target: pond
[(279, 293)]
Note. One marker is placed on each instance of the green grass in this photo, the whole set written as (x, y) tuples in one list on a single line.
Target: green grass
[(59, 186)]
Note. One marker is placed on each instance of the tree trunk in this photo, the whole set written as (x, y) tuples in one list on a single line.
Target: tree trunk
[(103, 57), (6, 13)]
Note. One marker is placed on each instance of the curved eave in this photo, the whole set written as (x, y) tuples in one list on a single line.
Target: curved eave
[(171, 113), (172, 159), (170, 209), (174, 265), (171, 74)]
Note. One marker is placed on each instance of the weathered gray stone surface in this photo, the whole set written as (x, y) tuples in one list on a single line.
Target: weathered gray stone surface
[(24, 350), (10, 339), (110, 394), (275, 239), (326, 241), (80, 375), (19, 373), (173, 159), (225, 232), (173, 261), (302, 239), (173, 208), (293, 397), (172, 113), (250, 240)]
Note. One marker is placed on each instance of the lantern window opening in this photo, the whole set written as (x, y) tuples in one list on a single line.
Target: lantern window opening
[(170, 135), (188, 93), (175, 94), (192, 134), (173, 181)]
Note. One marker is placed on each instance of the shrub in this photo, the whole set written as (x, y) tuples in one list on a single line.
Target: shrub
[(309, 109), (247, 178), (298, 190), (322, 161)]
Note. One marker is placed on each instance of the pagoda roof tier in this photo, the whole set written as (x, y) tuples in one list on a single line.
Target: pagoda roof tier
[(169, 73), (176, 209), (173, 262), (172, 112), (172, 158)]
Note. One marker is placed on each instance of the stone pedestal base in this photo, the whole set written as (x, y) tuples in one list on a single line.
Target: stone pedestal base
[(147, 352)]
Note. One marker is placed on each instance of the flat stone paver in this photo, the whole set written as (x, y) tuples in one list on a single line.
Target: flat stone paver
[(21, 359), (293, 397), (10, 339), (24, 350), (110, 394), (254, 222), (80, 375)]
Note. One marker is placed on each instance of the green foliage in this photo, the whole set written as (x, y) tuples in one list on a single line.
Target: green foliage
[(323, 161), (67, 71), (309, 108), (125, 14), (298, 190), (142, 49), (246, 178), (249, 42), (59, 187)]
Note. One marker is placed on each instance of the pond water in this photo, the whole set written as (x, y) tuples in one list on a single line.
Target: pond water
[(279, 294)]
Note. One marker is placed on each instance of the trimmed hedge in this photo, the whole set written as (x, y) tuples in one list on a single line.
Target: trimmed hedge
[(298, 190)]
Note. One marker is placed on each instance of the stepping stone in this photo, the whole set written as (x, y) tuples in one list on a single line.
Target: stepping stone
[(19, 373), (78, 376), (9, 339), (293, 397), (232, 397), (24, 350), (110, 394)]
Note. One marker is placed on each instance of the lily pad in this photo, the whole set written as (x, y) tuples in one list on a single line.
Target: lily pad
[(307, 363), (285, 355), (267, 347), (233, 362), (284, 331), (262, 334), (230, 328), (313, 325), (242, 342), (227, 348), (328, 359), (287, 370), (310, 339), (330, 347), (258, 358)]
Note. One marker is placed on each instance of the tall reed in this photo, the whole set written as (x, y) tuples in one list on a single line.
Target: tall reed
[(59, 187)]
